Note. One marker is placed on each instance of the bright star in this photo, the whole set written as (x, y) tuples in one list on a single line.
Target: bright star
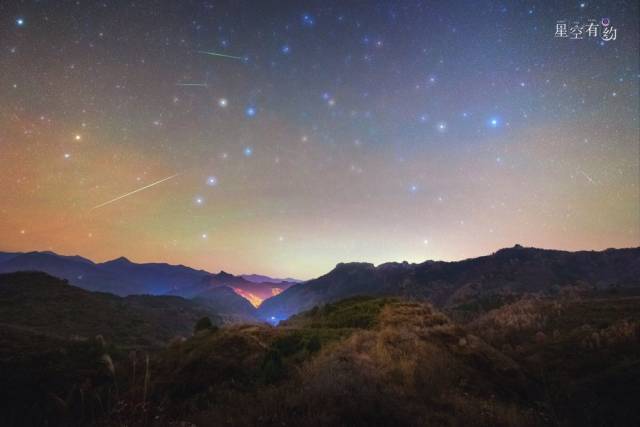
[(212, 181), (248, 151), (494, 122), (67, 155), (203, 235), (222, 102), (77, 137), (20, 22), (442, 127), (285, 49), (199, 200), (250, 112)]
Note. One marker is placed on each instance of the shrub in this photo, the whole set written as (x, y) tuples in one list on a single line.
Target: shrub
[(202, 325)]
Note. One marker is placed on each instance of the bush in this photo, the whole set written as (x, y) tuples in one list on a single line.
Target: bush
[(202, 325)]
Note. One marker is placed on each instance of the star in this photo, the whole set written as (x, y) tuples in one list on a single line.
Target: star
[(222, 102), (199, 201), (20, 22), (285, 49), (250, 111), (308, 20), (248, 151), (67, 155), (212, 181), (493, 122), (442, 127), (203, 235), (77, 137)]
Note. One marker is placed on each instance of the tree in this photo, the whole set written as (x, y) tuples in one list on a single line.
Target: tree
[(203, 324)]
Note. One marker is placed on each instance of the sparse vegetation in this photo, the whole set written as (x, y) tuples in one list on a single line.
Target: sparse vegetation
[(566, 358)]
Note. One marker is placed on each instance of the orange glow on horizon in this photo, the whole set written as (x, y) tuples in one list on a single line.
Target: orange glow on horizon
[(252, 298)]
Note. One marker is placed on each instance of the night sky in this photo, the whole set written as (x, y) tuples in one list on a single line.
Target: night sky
[(296, 135)]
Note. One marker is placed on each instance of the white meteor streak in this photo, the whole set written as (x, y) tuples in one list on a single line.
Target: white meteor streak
[(192, 84), (133, 192), (204, 52)]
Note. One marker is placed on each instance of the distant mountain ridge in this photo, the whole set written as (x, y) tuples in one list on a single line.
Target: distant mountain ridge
[(258, 278), (123, 277), (511, 271), (517, 270)]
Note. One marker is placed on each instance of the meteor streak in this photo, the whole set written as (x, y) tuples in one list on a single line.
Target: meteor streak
[(192, 84), (133, 192), (204, 52)]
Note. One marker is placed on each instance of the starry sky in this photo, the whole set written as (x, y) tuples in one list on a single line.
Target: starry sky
[(296, 135)]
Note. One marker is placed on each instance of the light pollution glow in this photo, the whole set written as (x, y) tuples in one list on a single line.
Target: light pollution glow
[(390, 140)]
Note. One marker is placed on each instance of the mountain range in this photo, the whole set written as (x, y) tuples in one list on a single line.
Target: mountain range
[(511, 271), (124, 277), (521, 337)]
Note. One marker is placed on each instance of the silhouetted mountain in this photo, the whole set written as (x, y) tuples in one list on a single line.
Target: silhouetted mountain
[(514, 270), (77, 270), (255, 293), (47, 305), (5, 256), (153, 278), (226, 302), (258, 278), (123, 277)]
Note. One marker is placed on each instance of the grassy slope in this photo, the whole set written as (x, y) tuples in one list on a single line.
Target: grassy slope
[(50, 306), (585, 350), (361, 361)]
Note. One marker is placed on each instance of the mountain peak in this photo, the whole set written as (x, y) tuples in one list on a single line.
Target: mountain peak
[(121, 259), (224, 275)]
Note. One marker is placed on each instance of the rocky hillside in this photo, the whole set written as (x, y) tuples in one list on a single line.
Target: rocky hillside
[(513, 271)]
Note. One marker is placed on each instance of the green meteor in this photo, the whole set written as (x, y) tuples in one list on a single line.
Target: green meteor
[(204, 52)]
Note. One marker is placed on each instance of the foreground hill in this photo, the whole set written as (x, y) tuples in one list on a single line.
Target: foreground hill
[(513, 271), (357, 362), (45, 305), (567, 359)]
